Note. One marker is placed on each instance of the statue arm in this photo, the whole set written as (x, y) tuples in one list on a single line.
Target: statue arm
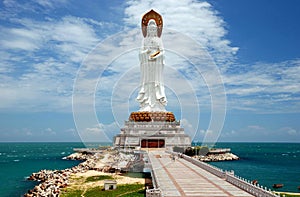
[(159, 52), (145, 50), (143, 54), (156, 54)]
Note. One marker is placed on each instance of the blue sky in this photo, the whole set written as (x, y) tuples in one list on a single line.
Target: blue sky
[(50, 48)]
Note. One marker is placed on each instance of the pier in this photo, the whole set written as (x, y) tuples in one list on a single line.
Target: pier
[(179, 175)]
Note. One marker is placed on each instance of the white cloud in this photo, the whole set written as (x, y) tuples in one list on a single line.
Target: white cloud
[(48, 132), (69, 35), (196, 19), (42, 58), (189, 128), (51, 4), (50, 53), (261, 133), (249, 133), (11, 8), (290, 131), (69, 39), (71, 132), (99, 133), (264, 87), (255, 127), (26, 131)]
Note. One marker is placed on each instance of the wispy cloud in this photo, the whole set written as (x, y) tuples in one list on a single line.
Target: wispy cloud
[(11, 8), (99, 132), (250, 133), (264, 87), (42, 59), (290, 131), (51, 50), (199, 20)]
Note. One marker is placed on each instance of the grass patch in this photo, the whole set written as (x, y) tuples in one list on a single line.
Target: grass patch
[(139, 193), (98, 178), (133, 190), (71, 193), (134, 175), (128, 190), (288, 194), (78, 178)]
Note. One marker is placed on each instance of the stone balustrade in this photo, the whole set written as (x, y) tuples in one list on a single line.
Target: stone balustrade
[(154, 179), (246, 185), (153, 193)]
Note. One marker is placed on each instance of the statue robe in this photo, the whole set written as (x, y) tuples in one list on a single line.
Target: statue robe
[(152, 94)]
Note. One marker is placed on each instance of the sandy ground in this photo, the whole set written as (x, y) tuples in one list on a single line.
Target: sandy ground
[(78, 180)]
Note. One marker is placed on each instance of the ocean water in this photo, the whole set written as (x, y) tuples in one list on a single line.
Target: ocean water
[(268, 163), (19, 160)]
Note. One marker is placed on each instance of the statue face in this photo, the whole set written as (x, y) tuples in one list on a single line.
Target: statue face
[(152, 30)]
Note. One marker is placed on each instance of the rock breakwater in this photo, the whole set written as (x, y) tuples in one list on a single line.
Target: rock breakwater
[(52, 181), (217, 157)]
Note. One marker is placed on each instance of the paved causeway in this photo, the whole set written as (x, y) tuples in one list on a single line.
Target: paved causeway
[(182, 178)]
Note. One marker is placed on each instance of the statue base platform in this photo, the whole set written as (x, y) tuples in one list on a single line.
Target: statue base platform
[(152, 130)]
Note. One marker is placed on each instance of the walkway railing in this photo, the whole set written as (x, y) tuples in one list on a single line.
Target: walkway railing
[(155, 192), (247, 186), (244, 184)]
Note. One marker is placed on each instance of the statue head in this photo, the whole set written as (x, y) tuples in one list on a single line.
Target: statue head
[(152, 28), (146, 22)]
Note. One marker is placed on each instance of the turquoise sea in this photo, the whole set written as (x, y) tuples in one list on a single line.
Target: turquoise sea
[(268, 163), (19, 160)]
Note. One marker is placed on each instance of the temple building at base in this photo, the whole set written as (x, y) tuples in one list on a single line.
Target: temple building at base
[(152, 130)]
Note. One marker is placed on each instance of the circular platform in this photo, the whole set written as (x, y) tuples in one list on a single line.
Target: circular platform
[(152, 116)]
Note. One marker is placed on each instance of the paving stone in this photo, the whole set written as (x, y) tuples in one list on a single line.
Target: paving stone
[(182, 178)]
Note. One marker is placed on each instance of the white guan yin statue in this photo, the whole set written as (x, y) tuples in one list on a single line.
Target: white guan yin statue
[(152, 93), (152, 126)]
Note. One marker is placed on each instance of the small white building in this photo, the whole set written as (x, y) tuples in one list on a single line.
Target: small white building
[(110, 184)]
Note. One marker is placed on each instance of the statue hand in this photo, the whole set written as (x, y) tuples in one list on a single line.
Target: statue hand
[(151, 58), (146, 51), (154, 55)]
